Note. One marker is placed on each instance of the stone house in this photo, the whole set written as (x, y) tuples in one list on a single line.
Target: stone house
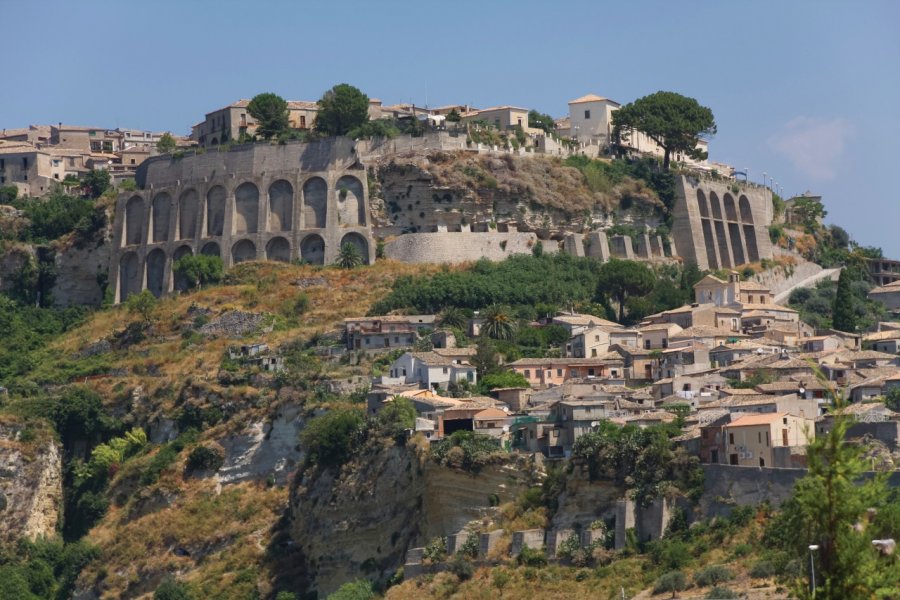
[(821, 343), (590, 119), (576, 323), (750, 440), (430, 370), (502, 117), (692, 315), (683, 360), (548, 372), (710, 337), (485, 420), (884, 341), (656, 337), (373, 333), (888, 295)]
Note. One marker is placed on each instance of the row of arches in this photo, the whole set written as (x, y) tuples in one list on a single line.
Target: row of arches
[(193, 218), (715, 210), (731, 241), (154, 275)]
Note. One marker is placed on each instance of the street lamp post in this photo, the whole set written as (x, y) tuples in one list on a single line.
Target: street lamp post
[(812, 570)]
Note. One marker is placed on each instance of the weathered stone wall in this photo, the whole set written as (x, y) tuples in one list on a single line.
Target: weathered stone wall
[(454, 247), (728, 486), (253, 202), (717, 227)]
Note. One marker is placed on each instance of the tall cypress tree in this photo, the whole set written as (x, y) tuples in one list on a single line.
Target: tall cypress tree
[(844, 317)]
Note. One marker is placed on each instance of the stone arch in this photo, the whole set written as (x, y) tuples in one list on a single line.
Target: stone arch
[(361, 244), (188, 206), (709, 243), (351, 202), (243, 251), (702, 204), (730, 211), (156, 271), (315, 203), (246, 209), (746, 212), (181, 284), (159, 217), (312, 249), (281, 206), (134, 220), (716, 206), (211, 249), (215, 211), (278, 249), (129, 275)]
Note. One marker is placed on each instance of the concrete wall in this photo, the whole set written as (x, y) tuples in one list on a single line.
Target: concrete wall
[(452, 247), (716, 227)]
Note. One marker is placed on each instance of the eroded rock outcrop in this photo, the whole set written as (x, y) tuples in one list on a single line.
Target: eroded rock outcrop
[(30, 482)]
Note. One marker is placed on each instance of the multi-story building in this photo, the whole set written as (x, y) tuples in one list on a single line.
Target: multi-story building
[(750, 441)]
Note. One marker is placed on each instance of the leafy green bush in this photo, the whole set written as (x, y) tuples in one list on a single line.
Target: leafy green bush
[(55, 215), (462, 568), (673, 581), (199, 270), (721, 593), (170, 589), (436, 549), (354, 590), (713, 575), (763, 569), (464, 449), (530, 557), (204, 458), (332, 438), (471, 546)]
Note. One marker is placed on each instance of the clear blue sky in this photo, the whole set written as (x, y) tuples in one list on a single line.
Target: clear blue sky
[(807, 91)]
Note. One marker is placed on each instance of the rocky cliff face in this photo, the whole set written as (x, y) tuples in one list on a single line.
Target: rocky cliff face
[(359, 521), (452, 191), (30, 482)]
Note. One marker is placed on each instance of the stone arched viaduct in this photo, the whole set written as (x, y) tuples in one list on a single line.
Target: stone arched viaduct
[(720, 224), (292, 202)]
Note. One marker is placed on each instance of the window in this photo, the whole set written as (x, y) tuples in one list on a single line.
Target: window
[(762, 461), (784, 437), (445, 370), (404, 371), (527, 373), (731, 438), (767, 439), (367, 341), (132, 161), (590, 372), (2, 163), (302, 122), (520, 122), (24, 162), (587, 114), (647, 344), (759, 437), (559, 372)]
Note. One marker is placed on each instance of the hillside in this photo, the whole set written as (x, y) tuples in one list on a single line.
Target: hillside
[(418, 192)]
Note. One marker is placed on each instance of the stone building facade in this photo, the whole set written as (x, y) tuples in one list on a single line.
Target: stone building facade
[(255, 202), (719, 226)]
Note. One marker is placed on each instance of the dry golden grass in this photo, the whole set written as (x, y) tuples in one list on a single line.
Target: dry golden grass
[(225, 534)]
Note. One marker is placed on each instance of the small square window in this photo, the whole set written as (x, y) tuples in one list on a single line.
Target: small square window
[(587, 114)]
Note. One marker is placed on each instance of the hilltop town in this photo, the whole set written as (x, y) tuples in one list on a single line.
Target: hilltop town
[(449, 349)]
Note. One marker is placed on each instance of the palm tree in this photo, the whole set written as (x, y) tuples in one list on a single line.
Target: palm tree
[(452, 316), (498, 324), (349, 256)]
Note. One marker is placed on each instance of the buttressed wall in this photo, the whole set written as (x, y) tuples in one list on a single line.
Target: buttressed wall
[(255, 202), (716, 227)]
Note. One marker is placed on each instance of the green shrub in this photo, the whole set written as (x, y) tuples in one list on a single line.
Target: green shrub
[(205, 458), (199, 270), (332, 438), (763, 569), (354, 590), (673, 581), (170, 589), (531, 557), (713, 575), (462, 568), (471, 546), (436, 549), (721, 593)]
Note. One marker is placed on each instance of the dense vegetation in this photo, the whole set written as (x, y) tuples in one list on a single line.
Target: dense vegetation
[(533, 286)]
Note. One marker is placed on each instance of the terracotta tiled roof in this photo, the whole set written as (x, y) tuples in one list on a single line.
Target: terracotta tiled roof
[(764, 419), (590, 98)]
